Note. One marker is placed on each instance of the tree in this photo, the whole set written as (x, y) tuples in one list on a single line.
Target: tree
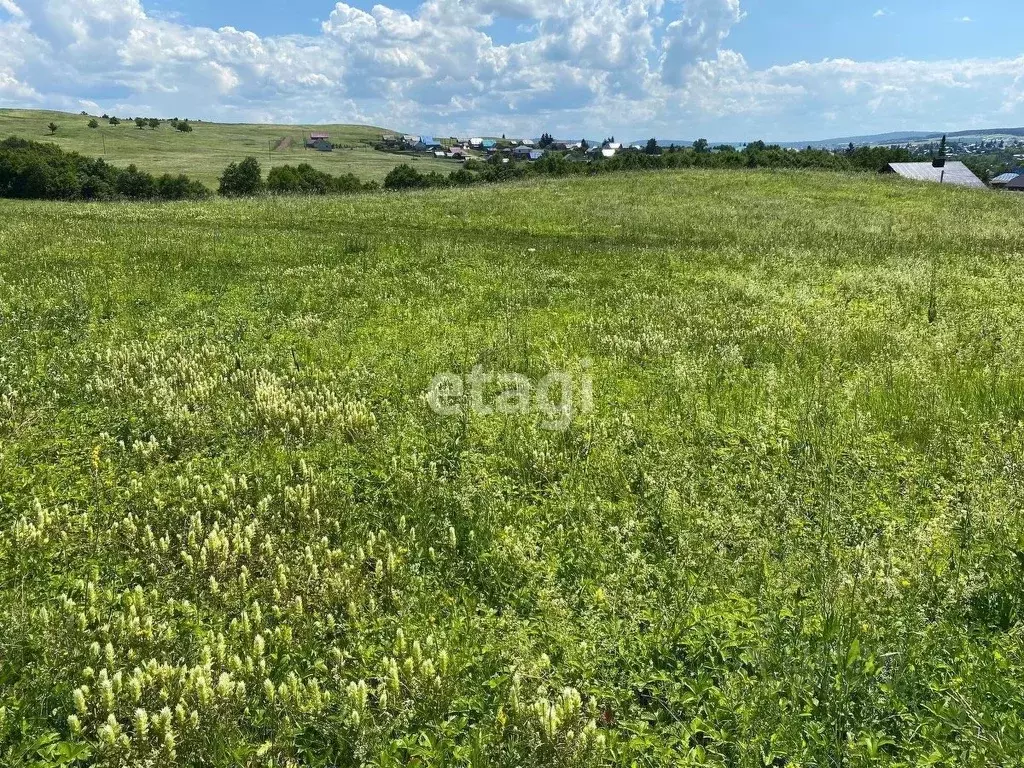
[(244, 178), (154, 123), (701, 146), (140, 122), (93, 123), (652, 147), (53, 128), (583, 145), (942, 147), (184, 126), (850, 150), (404, 176), (114, 121), (546, 140)]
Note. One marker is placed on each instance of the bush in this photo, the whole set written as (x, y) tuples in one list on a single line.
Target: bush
[(404, 176), (32, 170), (240, 179), (93, 123)]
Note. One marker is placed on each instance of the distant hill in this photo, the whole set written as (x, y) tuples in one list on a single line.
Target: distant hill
[(894, 137), (204, 153)]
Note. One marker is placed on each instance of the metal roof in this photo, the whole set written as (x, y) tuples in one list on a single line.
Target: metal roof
[(1004, 178), (954, 172), (1017, 183)]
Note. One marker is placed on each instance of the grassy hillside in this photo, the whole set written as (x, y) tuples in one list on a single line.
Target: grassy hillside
[(788, 532), (204, 153)]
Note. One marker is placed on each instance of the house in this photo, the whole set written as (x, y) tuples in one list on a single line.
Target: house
[(411, 140), (527, 142), (521, 153), (476, 142), (316, 136), (429, 142), (440, 153), (937, 171), (322, 145), (458, 153), (1017, 185), (488, 143), (611, 145), (536, 154), (607, 152), (1000, 182)]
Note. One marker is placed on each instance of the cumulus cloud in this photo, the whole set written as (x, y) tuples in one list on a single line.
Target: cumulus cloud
[(576, 67)]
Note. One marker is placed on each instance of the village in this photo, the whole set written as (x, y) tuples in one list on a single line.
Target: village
[(939, 167)]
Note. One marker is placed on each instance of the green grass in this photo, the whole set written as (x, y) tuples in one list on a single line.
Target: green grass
[(204, 153), (789, 533)]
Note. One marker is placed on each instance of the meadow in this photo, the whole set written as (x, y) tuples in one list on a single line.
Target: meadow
[(788, 533), (210, 147)]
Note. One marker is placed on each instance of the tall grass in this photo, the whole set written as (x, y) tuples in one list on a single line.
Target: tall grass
[(232, 531)]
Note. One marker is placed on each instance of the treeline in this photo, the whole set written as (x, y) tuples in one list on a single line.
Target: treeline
[(32, 170), (756, 155), (246, 178)]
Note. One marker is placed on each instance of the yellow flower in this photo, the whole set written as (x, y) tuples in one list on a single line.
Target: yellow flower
[(96, 459)]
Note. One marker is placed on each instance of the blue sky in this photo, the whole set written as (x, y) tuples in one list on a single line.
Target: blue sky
[(726, 69)]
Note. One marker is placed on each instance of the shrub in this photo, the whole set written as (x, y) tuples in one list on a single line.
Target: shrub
[(53, 128), (404, 176), (244, 178), (93, 123), (35, 170)]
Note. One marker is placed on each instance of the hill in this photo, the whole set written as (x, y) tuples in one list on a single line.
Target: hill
[(877, 139), (749, 490), (204, 153)]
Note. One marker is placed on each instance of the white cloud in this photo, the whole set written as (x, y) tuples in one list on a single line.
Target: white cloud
[(881, 12), (963, 20), (578, 67)]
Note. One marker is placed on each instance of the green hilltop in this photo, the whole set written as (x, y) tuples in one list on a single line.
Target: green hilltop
[(210, 147)]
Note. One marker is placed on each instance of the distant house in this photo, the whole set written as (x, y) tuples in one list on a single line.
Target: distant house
[(429, 142), (488, 143), (1017, 185), (611, 145), (527, 142), (521, 153), (458, 153), (1000, 182), (536, 154), (322, 145), (476, 142), (411, 140), (314, 137), (950, 172)]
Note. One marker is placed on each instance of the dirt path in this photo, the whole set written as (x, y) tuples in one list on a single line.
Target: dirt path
[(283, 144)]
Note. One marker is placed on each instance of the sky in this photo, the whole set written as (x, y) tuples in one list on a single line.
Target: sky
[(728, 70)]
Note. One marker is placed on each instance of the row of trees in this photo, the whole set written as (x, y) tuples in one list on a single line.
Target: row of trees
[(246, 178), (40, 171)]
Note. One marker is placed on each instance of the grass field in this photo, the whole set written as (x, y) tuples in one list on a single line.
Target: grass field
[(788, 533), (204, 153)]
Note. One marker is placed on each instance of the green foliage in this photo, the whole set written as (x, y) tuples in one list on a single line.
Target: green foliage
[(183, 125), (53, 128), (240, 179), (93, 123), (306, 180), (43, 171), (114, 121), (141, 122), (153, 123)]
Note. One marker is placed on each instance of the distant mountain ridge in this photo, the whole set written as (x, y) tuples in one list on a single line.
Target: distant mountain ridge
[(893, 137)]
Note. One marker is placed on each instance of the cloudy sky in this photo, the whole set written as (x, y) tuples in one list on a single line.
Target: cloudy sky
[(783, 70)]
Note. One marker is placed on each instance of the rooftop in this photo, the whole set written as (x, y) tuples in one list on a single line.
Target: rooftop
[(954, 172)]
